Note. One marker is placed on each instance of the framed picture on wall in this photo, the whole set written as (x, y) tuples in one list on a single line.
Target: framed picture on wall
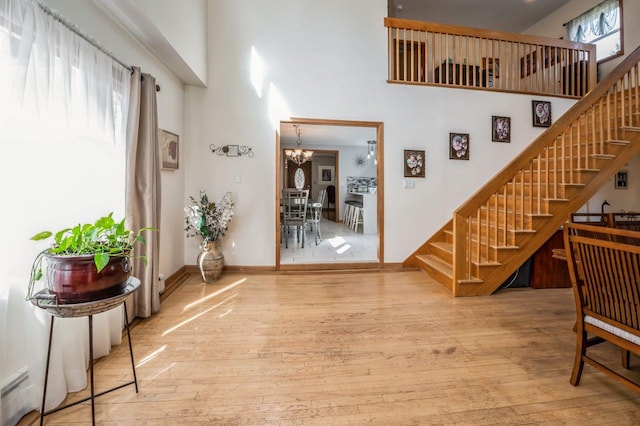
[(500, 129), (622, 179), (326, 175), (169, 150), (413, 163), (458, 146), (541, 111)]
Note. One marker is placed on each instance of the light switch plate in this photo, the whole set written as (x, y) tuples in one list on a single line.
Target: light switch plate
[(409, 184)]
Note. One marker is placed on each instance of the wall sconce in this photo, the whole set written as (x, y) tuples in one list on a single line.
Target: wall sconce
[(232, 150)]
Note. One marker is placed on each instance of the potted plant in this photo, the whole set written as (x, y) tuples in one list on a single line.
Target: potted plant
[(209, 221), (87, 262)]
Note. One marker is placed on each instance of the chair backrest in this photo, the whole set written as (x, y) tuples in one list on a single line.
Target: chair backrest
[(322, 194), (596, 219), (296, 205), (331, 194), (604, 266)]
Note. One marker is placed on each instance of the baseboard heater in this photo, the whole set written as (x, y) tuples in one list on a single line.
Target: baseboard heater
[(13, 381)]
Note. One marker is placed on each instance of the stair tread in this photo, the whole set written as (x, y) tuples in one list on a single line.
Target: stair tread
[(631, 128), (471, 281), (436, 263), (487, 263), (618, 142), (443, 245)]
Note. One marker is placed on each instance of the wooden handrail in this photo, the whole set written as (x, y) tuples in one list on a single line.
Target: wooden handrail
[(438, 54)]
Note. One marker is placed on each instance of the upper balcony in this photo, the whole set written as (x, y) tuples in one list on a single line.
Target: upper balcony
[(425, 53)]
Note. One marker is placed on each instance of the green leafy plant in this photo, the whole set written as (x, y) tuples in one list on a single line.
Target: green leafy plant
[(103, 239)]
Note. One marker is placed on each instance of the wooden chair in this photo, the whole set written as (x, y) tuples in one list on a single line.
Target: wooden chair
[(605, 275)]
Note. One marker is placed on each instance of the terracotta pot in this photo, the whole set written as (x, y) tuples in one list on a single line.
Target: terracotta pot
[(210, 261), (75, 279)]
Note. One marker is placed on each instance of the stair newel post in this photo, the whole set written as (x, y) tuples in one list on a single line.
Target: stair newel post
[(461, 250)]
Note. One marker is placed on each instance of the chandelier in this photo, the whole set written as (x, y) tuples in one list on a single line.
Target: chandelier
[(371, 150), (298, 155)]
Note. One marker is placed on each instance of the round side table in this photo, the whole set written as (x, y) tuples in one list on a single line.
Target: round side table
[(47, 301)]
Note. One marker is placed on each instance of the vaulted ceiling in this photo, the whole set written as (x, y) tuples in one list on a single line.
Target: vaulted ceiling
[(503, 15)]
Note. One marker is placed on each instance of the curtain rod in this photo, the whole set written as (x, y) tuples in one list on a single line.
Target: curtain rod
[(55, 15)]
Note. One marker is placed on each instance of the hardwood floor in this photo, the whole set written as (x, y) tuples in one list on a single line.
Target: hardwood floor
[(385, 348)]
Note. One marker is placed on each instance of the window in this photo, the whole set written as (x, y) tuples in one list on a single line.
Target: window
[(601, 26)]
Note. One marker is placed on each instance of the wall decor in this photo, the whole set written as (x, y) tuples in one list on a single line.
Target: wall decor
[(232, 150), (169, 150), (541, 111), (326, 175), (500, 129), (622, 179), (413, 163), (360, 161), (459, 146), (362, 184)]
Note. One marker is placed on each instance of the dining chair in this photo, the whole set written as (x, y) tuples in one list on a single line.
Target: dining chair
[(315, 214), (295, 213)]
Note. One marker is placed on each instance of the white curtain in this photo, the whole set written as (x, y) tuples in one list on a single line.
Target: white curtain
[(63, 109), (595, 23)]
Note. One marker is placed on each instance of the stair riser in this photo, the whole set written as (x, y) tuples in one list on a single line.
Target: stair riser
[(437, 275), (442, 253)]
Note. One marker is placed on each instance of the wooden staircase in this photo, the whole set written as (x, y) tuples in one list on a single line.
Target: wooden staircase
[(494, 232)]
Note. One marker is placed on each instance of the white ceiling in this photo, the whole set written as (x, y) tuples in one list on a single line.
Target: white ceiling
[(502, 15), (320, 135)]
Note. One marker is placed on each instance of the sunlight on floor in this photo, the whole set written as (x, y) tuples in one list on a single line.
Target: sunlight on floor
[(212, 295), (343, 249), (151, 356), (336, 242), (187, 321)]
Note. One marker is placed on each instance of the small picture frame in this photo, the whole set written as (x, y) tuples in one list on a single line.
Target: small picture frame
[(492, 65), (541, 112), (169, 150), (459, 146), (414, 163), (500, 129), (622, 179), (326, 175)]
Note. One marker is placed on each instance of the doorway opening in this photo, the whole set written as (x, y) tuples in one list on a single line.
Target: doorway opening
[(347, 165)]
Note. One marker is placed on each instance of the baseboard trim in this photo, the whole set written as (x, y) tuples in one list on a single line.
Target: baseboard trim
[(174, 281), (193, 269), (312, 267)]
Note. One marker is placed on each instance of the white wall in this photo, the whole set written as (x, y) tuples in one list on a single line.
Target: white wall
[(93, 22), (186, 31), (328, 60), (551, 26)]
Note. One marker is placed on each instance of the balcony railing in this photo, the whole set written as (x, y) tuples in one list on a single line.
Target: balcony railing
[(445, 55)]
